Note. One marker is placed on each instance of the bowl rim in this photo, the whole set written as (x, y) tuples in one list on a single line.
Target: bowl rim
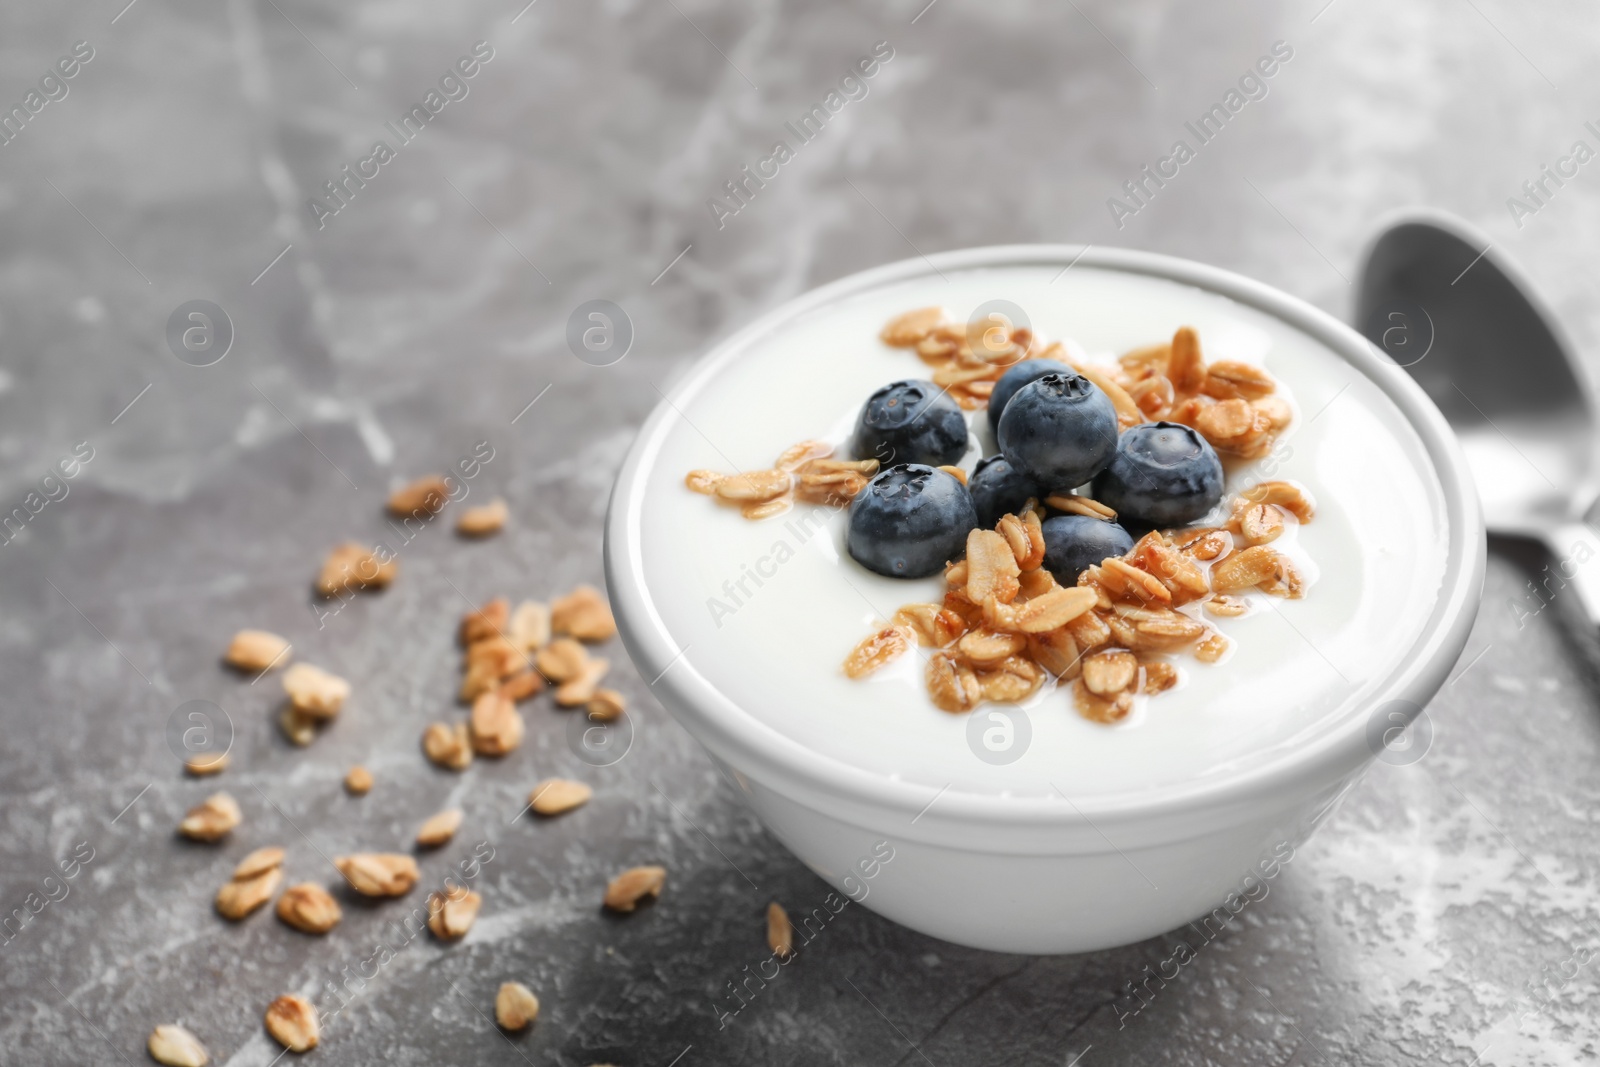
[(747, 743)]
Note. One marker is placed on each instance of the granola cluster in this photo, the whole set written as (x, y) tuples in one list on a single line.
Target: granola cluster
[(1233, 405), (509, 656), (967, 358), (1006, 626)]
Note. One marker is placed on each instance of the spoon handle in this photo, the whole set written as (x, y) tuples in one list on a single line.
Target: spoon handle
[(1574, 566)]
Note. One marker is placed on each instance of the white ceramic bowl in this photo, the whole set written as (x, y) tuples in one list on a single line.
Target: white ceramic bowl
[(1049, 874)]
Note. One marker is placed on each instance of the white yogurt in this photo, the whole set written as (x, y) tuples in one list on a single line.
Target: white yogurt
[(766, 611)]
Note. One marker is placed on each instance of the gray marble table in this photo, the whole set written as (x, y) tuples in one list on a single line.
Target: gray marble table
[(1446, 915)]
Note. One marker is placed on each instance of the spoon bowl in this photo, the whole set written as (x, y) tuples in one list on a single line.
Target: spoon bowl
[(1436, 297)]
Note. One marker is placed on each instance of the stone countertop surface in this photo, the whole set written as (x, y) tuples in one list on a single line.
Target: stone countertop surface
[(1446, 914)]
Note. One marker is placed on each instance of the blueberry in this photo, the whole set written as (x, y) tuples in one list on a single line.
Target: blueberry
[(1074, 543), (1163, 474), (1059, 430), (910, 521), (911, 421), (1029, 370), (998, 490)]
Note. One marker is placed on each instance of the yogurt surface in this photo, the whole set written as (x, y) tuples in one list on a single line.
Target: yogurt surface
[(765, 611)]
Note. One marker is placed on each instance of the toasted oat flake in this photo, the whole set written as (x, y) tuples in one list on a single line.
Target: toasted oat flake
[(1108, 673), (1042, 613), (906, 330), (765, 509), (554, 796), (1286, 580), (314, 692), (211, 818), (484, 519), (780, 932), (240, 897), (1160, 630), (496, 726), (873, 652), (1212, 649), (309, 908), (1228, 380), (561, 660), (633, 885), (1227, 607), (704, 481), (1122, 579), (448, 746), (1186, 367), (754, 485), (521, 686), (261, 860), (256, 650), (1260, 524), (205, 764), (1244, 569), (1056, 652), (530, 626), (176, 1047), (952, 684), (299, 728), (1275, 409), (1010, 681), (292, 1022), (426, 496), (483, 675), (1159, 676), (1205, 545), (438, 829), (957, 473), (1128, 411), (490, 620), (357, 781), (1101, 709), (984, 648), (991, 568), (1080, 505), (451, 915), (606, 705), (515, 1006), (798, 455), (1089, 630), (1036, 583), (1287, 495), (1025, 536), (378, 874), (352, 566), (932, 624), (488, 663), (583, 614), (579, 690)]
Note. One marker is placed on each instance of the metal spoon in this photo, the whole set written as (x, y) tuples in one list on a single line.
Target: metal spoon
[(1439, 299)]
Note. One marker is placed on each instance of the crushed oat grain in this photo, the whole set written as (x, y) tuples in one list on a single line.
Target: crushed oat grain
[(309, 908), (440, 828), (633, 885), (256, 650), (292, 1022), (484, 520), (515, 1006), (211, 818)]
